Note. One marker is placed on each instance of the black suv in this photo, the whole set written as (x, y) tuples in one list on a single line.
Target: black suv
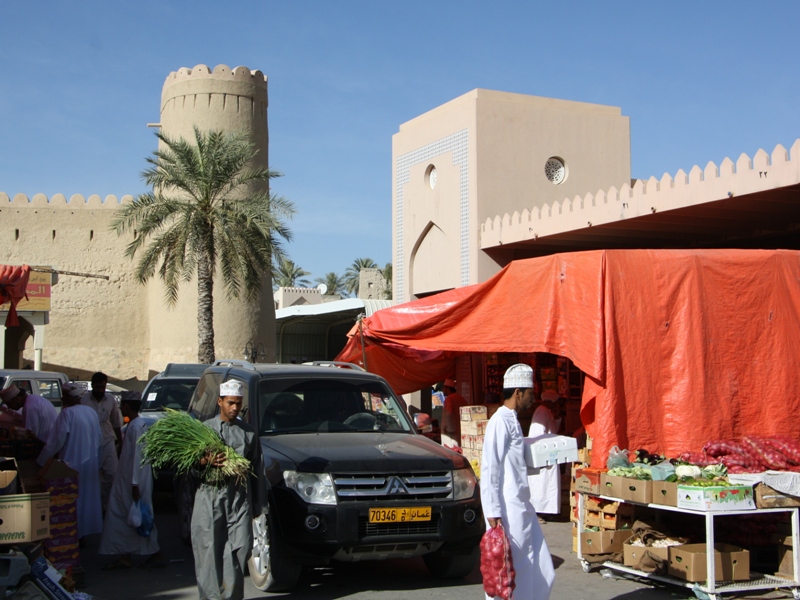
[(349, 477)]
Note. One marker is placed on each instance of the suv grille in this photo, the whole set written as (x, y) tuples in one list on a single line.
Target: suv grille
[(400, 486), (366, 529)]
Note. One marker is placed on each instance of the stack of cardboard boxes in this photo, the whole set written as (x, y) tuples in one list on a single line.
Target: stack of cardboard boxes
[(474, 420)]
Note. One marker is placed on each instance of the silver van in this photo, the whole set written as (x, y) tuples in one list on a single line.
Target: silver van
[(46, 384)]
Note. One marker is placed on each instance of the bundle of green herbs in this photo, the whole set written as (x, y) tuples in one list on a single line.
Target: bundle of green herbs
[(179, 441)]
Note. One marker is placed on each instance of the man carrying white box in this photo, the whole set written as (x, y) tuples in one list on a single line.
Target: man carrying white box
[(505, 495)]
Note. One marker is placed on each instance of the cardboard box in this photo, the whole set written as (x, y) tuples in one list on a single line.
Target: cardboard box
[(47, 577), (588, 480), (786, 560), (766, 497), (24, 518), (665, 493), (473, 413), (474, 427), (634, 554), (584, 456), (550, 449), (612, 485), (688, 562), (8, 483), (609, 521), (592, 518), (736, 497), (636, 490), (603, 542)]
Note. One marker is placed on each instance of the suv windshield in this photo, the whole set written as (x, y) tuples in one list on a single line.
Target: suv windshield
[(327, 405), (169, 393)]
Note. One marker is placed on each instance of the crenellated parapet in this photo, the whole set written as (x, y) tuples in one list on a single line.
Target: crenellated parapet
[(220, 90), (76, 201), (745, 176)]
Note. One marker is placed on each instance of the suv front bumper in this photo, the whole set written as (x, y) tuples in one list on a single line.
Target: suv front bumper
[(314, 534)]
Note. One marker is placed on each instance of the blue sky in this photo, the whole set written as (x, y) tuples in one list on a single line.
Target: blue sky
[(80, 80)]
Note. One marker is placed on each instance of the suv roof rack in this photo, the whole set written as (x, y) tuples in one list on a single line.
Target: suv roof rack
[(334, 363), (230, 362)]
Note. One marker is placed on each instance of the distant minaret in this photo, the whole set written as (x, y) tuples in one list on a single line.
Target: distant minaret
[(231, 101)]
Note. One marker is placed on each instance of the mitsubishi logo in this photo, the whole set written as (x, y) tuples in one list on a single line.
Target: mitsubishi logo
[(396, 486)]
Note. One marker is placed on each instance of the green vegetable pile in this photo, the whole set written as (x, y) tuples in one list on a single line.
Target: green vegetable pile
[(179, 441), (631, 472)]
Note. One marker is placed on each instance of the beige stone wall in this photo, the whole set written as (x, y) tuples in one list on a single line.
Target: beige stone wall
[(94, 324), (119, 326)]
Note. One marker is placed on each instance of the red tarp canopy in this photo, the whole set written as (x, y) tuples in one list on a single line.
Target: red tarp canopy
[(679, 347), (13, 281)]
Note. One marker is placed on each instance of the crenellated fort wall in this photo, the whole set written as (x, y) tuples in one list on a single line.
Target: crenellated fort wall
[(120, 326)]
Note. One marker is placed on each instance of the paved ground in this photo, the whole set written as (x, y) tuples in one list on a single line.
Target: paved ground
[(390, 580)]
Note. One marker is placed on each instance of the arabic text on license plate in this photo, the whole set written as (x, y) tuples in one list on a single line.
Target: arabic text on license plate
[(399, 515)]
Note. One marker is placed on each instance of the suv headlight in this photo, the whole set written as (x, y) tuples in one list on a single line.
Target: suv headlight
[(314, 488), (464, 482)]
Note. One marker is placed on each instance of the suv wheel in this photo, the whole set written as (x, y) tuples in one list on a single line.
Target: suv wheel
[(448, 565), (270, 568)]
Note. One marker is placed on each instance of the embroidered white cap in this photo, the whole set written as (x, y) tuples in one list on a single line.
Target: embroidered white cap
[(518, 376), (231, 388)]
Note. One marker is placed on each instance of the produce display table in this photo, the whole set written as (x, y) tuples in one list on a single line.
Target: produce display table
[(712, 588)]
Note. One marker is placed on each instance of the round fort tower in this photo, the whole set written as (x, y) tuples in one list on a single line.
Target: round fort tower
[(231, 100)]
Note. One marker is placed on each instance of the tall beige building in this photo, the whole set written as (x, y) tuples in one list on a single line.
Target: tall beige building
[(119, 326), (487, 153)]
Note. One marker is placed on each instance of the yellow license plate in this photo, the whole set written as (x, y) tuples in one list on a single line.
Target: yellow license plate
[(399, 515)]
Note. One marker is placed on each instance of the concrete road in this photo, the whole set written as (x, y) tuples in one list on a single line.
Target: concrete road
[(389, 580)]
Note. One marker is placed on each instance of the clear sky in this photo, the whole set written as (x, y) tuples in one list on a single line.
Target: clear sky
[(80, 80)]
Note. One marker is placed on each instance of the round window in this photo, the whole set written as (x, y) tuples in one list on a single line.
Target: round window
[(555, 170), (431, 176)]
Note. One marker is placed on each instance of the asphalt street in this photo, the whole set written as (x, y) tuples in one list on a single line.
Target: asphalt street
[(395, 580)]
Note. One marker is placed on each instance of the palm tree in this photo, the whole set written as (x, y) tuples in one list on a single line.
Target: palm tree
[(387, 276), (209, 208), (288, 274), (334, 283), (353, 273)]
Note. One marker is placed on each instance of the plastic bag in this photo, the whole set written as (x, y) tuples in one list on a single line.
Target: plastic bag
[(662, 470), (497, 566), (146, 525), (617, 458), (135, 515)]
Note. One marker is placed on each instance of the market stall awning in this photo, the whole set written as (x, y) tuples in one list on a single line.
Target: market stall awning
[(678, 346), (13, 281)]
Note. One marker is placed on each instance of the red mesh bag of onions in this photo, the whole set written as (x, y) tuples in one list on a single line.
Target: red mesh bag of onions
[(497, 567)]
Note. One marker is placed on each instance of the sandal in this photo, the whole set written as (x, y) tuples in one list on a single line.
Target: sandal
[(542, 521), (117, 564)]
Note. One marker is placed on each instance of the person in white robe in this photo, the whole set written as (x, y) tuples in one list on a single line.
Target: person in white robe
[(133, 482), (545, 486), (110, 426), (504, 489), (38, 414), (76, 438)]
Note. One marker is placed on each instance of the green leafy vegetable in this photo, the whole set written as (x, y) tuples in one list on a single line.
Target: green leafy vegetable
[(179, 441)]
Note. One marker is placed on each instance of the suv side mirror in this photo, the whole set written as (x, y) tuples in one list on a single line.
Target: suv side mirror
[(423, 422)]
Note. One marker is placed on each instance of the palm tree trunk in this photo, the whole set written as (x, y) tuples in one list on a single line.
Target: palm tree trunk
[(205, 309)]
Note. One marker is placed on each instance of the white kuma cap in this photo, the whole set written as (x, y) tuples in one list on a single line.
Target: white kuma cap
[(231, 388), (518, 376)]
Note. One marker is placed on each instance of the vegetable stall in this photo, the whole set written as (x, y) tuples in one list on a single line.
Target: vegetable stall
[(689, 355)]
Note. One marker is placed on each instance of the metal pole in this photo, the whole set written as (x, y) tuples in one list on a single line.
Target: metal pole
[(57, 272), (361, 335)]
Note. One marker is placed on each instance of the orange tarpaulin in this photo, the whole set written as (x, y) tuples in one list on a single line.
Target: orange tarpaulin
[(679, 347), (13, 281)]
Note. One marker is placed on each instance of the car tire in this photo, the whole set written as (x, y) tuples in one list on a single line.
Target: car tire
[(449, 565), (185, 489), (269, 566)]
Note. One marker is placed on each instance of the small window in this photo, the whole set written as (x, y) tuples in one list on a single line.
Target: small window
[(23, 384), (204, 402), (49, 388)]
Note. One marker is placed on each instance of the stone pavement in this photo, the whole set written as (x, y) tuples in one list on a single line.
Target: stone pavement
[(388, 580)]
